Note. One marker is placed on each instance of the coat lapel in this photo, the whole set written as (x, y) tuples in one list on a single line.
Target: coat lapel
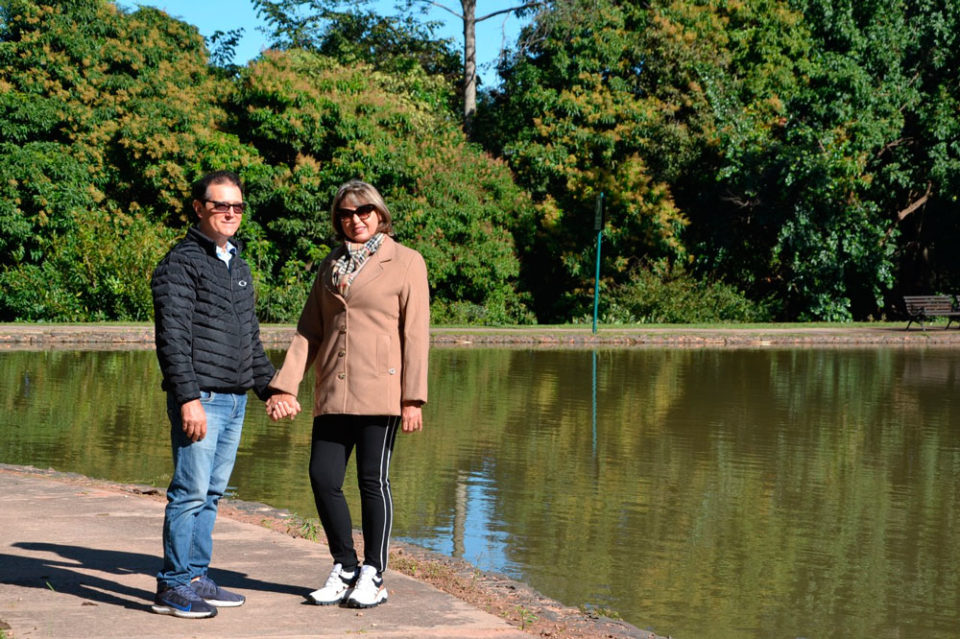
[(374, 266), (370, 271), (327, 274)]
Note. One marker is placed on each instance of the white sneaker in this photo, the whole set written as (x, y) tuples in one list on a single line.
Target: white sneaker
[(338, 585), (369, 591)]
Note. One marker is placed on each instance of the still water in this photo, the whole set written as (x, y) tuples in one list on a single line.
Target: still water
[(698, 493)]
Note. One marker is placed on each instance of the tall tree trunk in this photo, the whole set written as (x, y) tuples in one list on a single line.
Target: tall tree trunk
[(469, 61)]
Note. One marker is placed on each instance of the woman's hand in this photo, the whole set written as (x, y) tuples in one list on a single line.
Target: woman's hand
[(411, 417), (282, 405)]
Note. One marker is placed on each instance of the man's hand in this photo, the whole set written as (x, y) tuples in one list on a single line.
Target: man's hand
[(194, 420), (282, 405), (411, 417)]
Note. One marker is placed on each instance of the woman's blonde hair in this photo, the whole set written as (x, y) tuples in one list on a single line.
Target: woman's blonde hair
[(366, 193)]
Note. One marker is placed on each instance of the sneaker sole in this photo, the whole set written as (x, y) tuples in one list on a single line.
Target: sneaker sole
[(353, 603), (183, 614), (326, 602), (317, 602), (225, 604)]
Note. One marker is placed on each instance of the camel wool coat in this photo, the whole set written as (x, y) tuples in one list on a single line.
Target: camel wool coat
[(369, 349)]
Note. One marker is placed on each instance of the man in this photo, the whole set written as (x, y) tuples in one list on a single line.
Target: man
[(208, 344)]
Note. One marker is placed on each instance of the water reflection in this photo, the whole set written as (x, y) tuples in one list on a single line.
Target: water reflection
[(702, 493)]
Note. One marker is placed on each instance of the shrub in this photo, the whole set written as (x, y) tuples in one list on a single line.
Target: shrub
[(670, 295)]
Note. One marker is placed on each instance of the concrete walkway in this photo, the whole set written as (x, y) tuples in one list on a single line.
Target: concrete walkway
[(78, 561)]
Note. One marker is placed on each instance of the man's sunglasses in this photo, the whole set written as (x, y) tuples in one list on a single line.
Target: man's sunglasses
[(363, 212), (225, 207)]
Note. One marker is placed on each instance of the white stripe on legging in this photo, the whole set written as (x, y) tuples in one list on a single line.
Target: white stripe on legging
[(390, 433)]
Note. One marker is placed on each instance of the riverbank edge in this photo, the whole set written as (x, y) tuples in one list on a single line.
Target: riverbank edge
[(513, 601), (141, 336)]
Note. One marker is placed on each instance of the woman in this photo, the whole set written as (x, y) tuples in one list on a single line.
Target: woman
[(365, 329)]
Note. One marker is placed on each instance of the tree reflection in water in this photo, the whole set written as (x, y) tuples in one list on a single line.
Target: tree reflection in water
[(700, 493)]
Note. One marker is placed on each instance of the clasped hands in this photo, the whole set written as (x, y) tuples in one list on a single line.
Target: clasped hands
[(282, 405)]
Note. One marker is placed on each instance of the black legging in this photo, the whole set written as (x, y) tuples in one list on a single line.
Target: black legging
[(334, 438)]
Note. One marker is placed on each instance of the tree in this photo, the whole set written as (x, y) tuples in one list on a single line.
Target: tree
[(574, 118), (343, 30), (105, 119), (468, 15), (318, 123), (350, 33), (794, 140), (853, 159)]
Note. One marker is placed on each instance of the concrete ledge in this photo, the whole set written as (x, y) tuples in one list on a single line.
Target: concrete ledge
[(132, 337)]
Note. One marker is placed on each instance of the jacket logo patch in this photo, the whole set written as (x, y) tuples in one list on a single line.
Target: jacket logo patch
[(242, 282)]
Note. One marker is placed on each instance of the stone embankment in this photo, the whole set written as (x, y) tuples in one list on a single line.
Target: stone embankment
[(135, 336)]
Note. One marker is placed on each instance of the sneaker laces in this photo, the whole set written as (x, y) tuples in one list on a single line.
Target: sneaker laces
[(336, 577), (368, 574), (185, 591)]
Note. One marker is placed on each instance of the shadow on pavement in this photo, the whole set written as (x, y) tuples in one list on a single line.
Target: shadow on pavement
[(72, 575)]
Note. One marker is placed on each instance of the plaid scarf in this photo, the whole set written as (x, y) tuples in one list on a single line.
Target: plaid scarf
[(346, 268)]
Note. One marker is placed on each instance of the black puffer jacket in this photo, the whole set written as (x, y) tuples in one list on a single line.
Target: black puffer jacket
[(207, 333)]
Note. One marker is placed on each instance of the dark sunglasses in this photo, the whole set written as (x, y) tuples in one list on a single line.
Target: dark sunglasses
[(224, 207), (363, 212)]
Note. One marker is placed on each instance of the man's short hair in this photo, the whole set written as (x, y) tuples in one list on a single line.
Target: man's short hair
[(199, 191)]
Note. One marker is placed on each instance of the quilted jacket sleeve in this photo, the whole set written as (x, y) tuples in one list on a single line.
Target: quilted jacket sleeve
[(263, 369), (174, 297)]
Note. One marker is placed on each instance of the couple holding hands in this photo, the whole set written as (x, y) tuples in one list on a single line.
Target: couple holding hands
[(364, 330)]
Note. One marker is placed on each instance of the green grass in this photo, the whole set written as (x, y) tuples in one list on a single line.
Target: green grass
[(541, 327), (706, 326)]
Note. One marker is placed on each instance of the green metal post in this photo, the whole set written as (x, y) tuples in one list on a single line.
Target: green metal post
[(598, 227)]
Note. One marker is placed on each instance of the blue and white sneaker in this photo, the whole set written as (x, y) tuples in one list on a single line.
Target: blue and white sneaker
[(369, 591), (338, 585), (181, 601), (215, 595)]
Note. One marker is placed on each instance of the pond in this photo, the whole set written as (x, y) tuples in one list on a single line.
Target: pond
[(698, 493)]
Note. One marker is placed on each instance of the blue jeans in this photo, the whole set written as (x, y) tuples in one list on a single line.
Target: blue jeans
[(200, 473)]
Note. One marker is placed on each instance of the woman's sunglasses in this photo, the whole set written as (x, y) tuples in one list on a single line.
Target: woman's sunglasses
[(363, 212)]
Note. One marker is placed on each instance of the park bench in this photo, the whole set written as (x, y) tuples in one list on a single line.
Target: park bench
[(925, 307)]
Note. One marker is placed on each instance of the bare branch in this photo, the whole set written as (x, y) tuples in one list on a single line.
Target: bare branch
[(891, 145), (440, 5), (741, 202), (525, 5), (917, 204)]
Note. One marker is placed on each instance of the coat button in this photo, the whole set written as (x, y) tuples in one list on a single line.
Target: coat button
[(392, 371), (341, 375)]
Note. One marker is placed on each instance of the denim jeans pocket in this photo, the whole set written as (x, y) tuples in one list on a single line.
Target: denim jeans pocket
[(206, 396)]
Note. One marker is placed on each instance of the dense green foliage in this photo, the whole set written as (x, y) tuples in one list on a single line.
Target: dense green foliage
[(107, 117), (97, 143), (801, 149), (350, 31), (790, 159), (317, 123)]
